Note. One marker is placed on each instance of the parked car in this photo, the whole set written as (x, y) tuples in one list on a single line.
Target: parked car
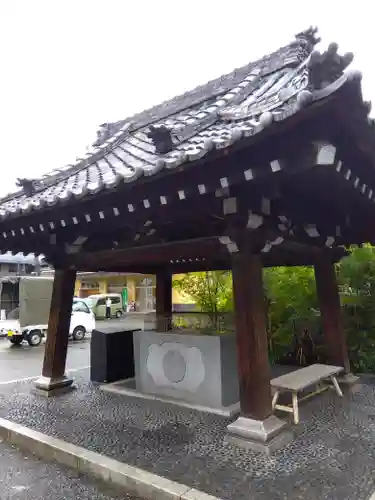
[(97, 304), (82, 322)]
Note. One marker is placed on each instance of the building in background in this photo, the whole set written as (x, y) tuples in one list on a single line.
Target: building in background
[(12, 267), (140, 288), (19, 264)]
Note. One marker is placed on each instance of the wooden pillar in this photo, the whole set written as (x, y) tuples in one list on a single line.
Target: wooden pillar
[(53, 373), (330, 308), (252, 348), (163, 300), (256, 428)]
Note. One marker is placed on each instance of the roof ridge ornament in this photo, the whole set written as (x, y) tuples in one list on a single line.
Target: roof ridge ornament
[(29, 186), (105, 131), (161, 136), (309, 35), (328, 66)]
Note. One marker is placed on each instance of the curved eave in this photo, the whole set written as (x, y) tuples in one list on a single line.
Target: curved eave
[(234, 136)]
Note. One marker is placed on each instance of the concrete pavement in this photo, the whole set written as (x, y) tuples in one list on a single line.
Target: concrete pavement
[(24, 477), (22, 362)]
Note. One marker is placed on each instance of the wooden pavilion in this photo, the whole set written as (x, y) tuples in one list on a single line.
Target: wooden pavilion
[(270, 165)]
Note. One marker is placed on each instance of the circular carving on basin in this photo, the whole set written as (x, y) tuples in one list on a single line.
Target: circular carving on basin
[(174, 366)]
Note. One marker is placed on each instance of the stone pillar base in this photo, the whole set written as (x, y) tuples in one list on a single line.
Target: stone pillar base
[(347, 379), (264, 436), (48, 386)]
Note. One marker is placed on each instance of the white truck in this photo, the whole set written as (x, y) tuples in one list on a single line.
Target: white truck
[(29, 322)]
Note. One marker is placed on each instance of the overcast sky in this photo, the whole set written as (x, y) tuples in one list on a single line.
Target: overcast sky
[(69, 65)]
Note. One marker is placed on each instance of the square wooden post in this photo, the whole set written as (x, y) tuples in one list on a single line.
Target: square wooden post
[(330, 308), (257, 428), (53, 379), (163, 300)]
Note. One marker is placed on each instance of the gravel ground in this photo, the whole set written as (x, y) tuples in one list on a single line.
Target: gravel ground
[(331, 458), (25, 477)]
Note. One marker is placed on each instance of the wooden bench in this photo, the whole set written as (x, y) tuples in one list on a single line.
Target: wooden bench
[(301, 379)]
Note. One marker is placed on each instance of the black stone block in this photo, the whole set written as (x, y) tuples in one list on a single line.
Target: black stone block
[(112, 355)]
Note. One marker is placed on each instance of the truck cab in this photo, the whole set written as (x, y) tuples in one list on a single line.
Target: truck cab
[(35, 298)]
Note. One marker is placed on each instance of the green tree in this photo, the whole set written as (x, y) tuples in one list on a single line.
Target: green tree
[(210, 290), (356, 275), (291, 306)]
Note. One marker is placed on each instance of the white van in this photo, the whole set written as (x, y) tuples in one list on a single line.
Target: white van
[(82, 322)]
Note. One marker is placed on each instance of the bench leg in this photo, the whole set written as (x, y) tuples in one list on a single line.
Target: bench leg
[(274, 399), (336, 385), (295, 408)]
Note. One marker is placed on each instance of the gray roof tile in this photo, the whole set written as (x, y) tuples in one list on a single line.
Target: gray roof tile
[(212, 116)]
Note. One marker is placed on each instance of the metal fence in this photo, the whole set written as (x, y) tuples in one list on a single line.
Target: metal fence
[(205, 323)]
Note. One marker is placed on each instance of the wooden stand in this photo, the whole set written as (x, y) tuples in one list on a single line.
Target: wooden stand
[(53, 379)]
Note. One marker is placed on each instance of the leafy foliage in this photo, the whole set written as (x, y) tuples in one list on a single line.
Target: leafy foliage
[(292, 307), (211, 292), (293, 312), (357, 282)]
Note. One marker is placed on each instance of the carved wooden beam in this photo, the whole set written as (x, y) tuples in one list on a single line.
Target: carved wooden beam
[(151, 254), (244, 167)]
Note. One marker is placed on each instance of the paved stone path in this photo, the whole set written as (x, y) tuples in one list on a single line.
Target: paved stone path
[(333, 456), (25, 477)]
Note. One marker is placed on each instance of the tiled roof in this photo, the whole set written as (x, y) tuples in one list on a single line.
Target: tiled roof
[(19, 258), (188, 127)]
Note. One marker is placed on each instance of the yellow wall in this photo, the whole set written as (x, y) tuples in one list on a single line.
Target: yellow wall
[(103, 285), (77, 288), (131, 284), (179, 297)]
